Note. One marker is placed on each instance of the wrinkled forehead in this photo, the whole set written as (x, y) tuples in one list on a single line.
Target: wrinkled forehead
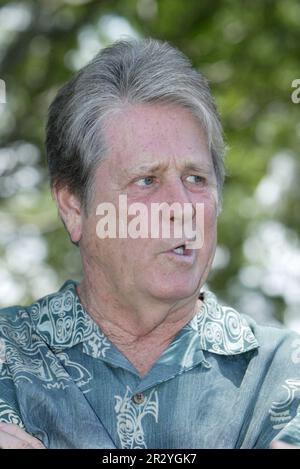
[(152, 135)]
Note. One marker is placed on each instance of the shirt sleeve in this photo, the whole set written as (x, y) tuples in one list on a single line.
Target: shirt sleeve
[(279, 397), (291, 432), (9, 415), (9, 412)]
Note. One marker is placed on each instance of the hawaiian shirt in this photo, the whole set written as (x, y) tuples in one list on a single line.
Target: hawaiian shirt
[(223, 382)]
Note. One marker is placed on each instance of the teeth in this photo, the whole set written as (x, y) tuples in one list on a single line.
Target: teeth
[(179, 250)]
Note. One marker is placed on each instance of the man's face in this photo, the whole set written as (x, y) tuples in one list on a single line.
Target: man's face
[(157, 153)]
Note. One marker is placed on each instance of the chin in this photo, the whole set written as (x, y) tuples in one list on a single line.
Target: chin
[(176, 290)]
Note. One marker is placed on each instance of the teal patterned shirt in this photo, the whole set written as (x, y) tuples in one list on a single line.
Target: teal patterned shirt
[(223, 382)]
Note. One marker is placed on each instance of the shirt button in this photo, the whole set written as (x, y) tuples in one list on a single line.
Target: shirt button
[(138, 398)]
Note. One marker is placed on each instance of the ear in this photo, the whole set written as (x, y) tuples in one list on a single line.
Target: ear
[(70, 211)]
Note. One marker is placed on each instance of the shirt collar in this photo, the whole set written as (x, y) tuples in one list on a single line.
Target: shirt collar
[(62, 322), (221, 329)]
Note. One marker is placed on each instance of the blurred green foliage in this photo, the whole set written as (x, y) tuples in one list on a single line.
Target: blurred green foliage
[(249, 50)]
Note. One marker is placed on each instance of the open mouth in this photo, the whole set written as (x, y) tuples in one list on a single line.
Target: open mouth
[(182, 254)]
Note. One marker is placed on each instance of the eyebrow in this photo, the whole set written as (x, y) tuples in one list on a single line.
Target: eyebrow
[(153, 167), (198, 167)]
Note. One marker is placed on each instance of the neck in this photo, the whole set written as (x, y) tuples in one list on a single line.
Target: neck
[(141, 334)]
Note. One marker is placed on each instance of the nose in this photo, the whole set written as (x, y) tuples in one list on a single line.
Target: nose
[(177, 193)]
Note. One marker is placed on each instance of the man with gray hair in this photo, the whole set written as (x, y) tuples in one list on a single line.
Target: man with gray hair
[(137, 354)]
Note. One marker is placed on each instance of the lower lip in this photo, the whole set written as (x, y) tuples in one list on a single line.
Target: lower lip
[(187, 258)]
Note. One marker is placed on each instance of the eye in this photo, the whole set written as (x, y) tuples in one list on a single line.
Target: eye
[(195, 179), (145, 181)]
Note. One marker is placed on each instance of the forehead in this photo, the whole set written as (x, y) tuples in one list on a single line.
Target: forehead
[(155, 133)]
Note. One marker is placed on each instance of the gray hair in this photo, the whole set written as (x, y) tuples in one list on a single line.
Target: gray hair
[(135, 72)]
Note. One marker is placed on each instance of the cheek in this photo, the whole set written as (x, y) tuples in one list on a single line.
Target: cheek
[(129, 258), (211, 208), (120, 254), (210, 225), (210, 221), (89, 237)]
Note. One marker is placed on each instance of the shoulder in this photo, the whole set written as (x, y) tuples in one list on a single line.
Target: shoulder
[(17, 323), (13, 320), (276, 340), (226, 331)]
